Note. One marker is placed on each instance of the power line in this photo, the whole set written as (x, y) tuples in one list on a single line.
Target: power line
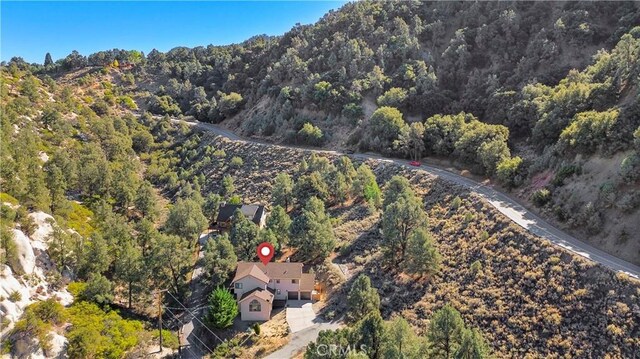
[(191, 308), (195, 317), (186, 347), (195, 336)]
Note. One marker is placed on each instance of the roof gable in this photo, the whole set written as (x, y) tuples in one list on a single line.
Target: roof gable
[(249, 269), (259, 293), (254, 212), (273, 270)]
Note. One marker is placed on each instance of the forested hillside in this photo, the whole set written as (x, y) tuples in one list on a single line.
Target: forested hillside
[(542, 96)]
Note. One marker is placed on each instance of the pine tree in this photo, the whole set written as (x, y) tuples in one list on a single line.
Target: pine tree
[(280, 224), (223, 308), (422, 256), (48, 60), (282, 194), (370, 332), (228, 188), (186, 219), (445, 332), (399, 220), (473, 346), (397, 187), (145, 201), (129, 268), (365, 186), (244, 236), (362, 300), (312, 231), (219, 259), (400, 341), (59, 247)]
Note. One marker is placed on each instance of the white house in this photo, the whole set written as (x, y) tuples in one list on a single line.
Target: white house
[(258, 286)]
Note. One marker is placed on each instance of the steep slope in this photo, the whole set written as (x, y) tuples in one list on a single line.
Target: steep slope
[(69, 174), (536, 80), (525, 294)]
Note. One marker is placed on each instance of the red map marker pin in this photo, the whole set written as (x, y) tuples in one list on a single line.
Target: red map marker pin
[(265, 252)]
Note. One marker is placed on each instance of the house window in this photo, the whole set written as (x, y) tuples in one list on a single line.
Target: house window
[(254, 306), (294, 281), (277, 291), (238, 286), (277, 280)]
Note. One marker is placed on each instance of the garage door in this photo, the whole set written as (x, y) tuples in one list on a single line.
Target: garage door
[(292, 295), (305, 295)]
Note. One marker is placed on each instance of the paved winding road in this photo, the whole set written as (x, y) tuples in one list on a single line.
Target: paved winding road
[(507, 206)]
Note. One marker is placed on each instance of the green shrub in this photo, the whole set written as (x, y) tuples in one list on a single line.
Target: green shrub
[(310, 135), (127, 102), (228, 349), (564, 173), (630, 168), (169, 339), (7, 198), (38, 319), (235, 199), (475, 267), (455, 204), (95, 333), (76, 289), (589, 130), (541, 197), (394, 97), (100, 107), (236, 162), (98, 290), (79, 219), (507, 171), (229, 105), (15, 296), (164, 105), (352, 111)]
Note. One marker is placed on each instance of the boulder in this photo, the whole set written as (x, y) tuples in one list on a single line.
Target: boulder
[(58, 346), (11, 310), (39, 236), (26, 257)]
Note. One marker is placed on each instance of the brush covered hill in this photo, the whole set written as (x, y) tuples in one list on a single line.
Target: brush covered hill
[(527, 297), (540, 96)]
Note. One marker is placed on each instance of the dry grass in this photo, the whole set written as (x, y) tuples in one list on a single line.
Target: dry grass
[(274, 334)]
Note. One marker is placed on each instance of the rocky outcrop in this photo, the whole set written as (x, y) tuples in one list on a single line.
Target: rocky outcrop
[(15, 297), (26, 257), (26, 283)]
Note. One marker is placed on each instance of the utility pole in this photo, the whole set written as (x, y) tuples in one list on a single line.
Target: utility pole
[(160, 318)]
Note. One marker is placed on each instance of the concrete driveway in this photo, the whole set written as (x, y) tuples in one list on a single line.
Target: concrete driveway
[(300, 315)]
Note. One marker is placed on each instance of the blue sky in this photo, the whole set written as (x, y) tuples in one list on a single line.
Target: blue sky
[(31, 29)]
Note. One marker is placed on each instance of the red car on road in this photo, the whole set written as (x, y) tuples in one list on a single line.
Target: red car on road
[(415, 163)]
